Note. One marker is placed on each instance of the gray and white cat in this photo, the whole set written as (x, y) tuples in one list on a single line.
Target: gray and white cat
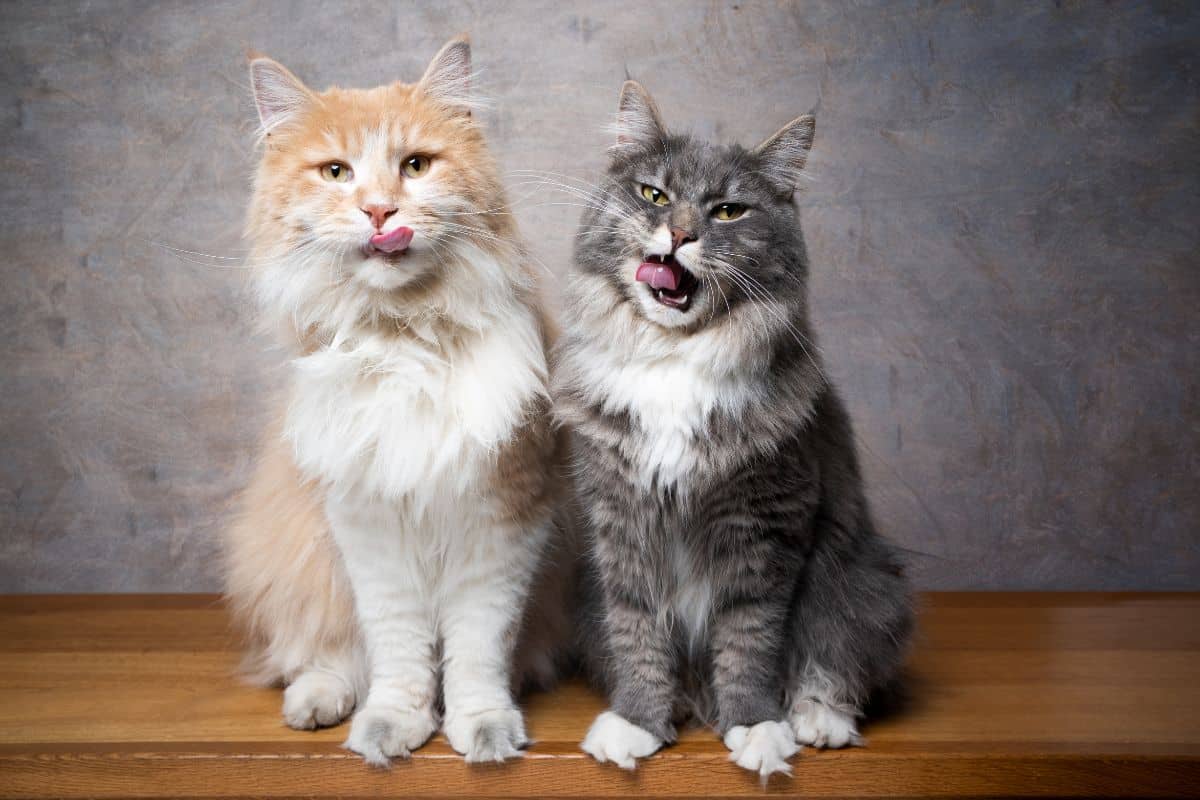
[(735, 571)]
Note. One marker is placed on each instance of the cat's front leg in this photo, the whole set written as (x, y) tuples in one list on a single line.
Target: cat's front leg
[(484, 597), (393, 608), (748, 680), (643, 680)]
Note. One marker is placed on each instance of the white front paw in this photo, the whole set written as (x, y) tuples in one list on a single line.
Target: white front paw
[(494, 735), (764, 748), (614, 738), (379, 733), (317, 699), (823, 726)]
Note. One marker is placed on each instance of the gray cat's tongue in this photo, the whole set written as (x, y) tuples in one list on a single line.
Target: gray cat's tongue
[(660, 276)]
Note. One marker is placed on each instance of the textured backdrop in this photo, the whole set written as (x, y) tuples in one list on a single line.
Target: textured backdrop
[(1003, 222)]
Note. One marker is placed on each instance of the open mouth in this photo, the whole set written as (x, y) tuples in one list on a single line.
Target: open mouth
[(668, 282)]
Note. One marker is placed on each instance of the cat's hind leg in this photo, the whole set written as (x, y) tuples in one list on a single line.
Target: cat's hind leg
[(819, 717), (287, 591), (324, 694)]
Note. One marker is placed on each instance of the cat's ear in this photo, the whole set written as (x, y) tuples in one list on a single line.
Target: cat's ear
[(278, 94), (784, 154), (447, 79), (638, 122)]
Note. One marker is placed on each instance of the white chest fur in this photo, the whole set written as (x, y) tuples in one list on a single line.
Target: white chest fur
[(391, 417), (669, 403), (669, 394)]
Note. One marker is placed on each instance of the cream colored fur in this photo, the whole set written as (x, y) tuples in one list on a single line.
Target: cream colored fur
[(402, 509)]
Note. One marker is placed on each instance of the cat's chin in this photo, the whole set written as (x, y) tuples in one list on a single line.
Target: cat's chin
[(389, 272), (675, 311)]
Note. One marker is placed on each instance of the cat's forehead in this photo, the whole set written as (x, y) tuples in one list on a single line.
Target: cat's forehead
[(694, 166), (382, 119)]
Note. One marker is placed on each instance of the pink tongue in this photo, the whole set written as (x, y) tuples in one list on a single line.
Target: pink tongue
[(392, 241), (659, 276)]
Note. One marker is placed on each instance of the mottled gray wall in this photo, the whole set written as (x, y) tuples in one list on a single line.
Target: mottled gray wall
[(1003, 220)]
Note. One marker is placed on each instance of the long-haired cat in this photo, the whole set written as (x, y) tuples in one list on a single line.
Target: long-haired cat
[(735, 572), (402, 512)]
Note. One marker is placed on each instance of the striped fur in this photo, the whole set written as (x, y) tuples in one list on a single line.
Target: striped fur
[(735, 571)]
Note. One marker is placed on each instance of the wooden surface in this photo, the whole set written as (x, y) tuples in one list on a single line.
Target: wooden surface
[(1013, 694)]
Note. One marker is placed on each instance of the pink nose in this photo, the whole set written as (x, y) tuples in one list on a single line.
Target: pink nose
[(378, 214), (680, 237)]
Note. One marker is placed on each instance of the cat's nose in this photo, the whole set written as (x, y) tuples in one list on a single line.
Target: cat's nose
[(680, 237), (378, 213)]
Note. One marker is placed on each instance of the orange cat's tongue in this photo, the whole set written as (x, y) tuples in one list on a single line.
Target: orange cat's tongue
[(392, 241)]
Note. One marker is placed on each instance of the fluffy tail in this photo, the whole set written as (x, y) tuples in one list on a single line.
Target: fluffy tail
[(284, 580), (854, 619)]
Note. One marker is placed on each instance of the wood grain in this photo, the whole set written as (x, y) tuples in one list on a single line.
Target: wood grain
[(1012, 695)]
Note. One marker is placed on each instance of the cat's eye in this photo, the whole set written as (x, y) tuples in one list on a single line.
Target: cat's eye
[(337, 172), (655, 195), (728, 211), (416, 166)]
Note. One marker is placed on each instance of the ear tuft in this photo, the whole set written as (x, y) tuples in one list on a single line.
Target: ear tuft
[(447, 79), (785, 153), (278, 94), (638, 121)]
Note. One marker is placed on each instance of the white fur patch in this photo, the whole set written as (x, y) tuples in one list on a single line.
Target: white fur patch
[(317, 699), (493, 735), (660, 242), (820, 725), (668, 384), (613, 738), (691, 600), (380, 418), (764, 748), (380, 733)]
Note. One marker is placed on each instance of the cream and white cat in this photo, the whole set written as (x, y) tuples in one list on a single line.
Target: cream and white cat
[(401, 517)]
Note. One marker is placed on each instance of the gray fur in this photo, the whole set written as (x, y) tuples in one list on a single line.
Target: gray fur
[(807, 599)]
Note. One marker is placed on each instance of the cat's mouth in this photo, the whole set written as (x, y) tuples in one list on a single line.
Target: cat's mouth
[(391, 245), (668, 282)]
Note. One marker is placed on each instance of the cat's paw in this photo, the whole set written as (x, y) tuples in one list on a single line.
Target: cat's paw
[(614, 738), (317, 700), (764, 748), (494, 735), (379, 733), (823, 726)]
